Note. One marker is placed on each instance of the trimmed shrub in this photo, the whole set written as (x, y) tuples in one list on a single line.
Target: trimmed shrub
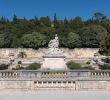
[(88, 67), (72, 65), (3, 66), (18, 67), (33, 66), (104, 67)]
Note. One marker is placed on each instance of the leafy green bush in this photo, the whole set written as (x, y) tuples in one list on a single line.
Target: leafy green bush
[(33, 66), (88, 67), (72, 65), (3, 66), (18, 67), (104, 67)]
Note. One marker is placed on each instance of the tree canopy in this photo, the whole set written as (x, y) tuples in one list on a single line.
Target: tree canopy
[(37, 32)]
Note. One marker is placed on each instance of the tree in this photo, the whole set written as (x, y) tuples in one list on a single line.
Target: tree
[(15, 19), (76, 23), (5, 41), (100, 31), (4, 20), (19, 31), (106, 25), (55, 19), (56, 22), (45, 21), (34, 40), (63, 41), (73, 40), (99, 16), (92, 36), (105, 46), (88, 38)]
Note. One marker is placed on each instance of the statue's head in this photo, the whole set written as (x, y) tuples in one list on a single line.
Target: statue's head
[(56, 35)]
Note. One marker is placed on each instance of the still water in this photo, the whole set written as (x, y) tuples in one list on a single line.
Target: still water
[(54, 95)]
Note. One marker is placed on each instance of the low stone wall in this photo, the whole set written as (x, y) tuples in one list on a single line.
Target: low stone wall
[(78, 85), (93, 85), (75, 80), (16, 84), (31, 53)]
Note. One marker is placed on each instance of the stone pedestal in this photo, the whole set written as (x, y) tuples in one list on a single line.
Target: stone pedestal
[(54, 62)]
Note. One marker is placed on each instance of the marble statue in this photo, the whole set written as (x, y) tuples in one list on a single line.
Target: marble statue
[(54, 58), (54, 43), (54, 47)]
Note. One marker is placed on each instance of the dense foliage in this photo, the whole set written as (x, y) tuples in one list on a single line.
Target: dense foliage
[(76, 66), (72, 65), (36, 32), (104, 67), (33, 66), (3, 66)]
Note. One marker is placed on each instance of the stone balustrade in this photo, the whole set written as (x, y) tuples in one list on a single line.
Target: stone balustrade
[(65, 79), (60, 75)]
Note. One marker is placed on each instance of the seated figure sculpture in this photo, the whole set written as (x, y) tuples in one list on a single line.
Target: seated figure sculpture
[(54, 58), (54, 47)]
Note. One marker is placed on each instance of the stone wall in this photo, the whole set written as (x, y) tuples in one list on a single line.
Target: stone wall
[(93, 85), (31, 53), (75, 80), (78, 85)]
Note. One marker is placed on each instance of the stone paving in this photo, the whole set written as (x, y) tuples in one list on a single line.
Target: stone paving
[(53, 95)]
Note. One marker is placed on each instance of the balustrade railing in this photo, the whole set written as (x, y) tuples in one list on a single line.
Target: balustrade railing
[(54, 75)]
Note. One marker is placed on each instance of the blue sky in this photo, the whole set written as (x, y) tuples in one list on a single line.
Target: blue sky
[(63, 8)]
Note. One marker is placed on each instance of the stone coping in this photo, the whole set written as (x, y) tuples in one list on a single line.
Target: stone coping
[(84, 79), (66, 70), (54, 56)]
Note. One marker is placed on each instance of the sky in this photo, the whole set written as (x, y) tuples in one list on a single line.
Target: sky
[(63, 8)]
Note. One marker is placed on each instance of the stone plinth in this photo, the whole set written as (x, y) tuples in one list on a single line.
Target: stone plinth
[(54, 62)]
